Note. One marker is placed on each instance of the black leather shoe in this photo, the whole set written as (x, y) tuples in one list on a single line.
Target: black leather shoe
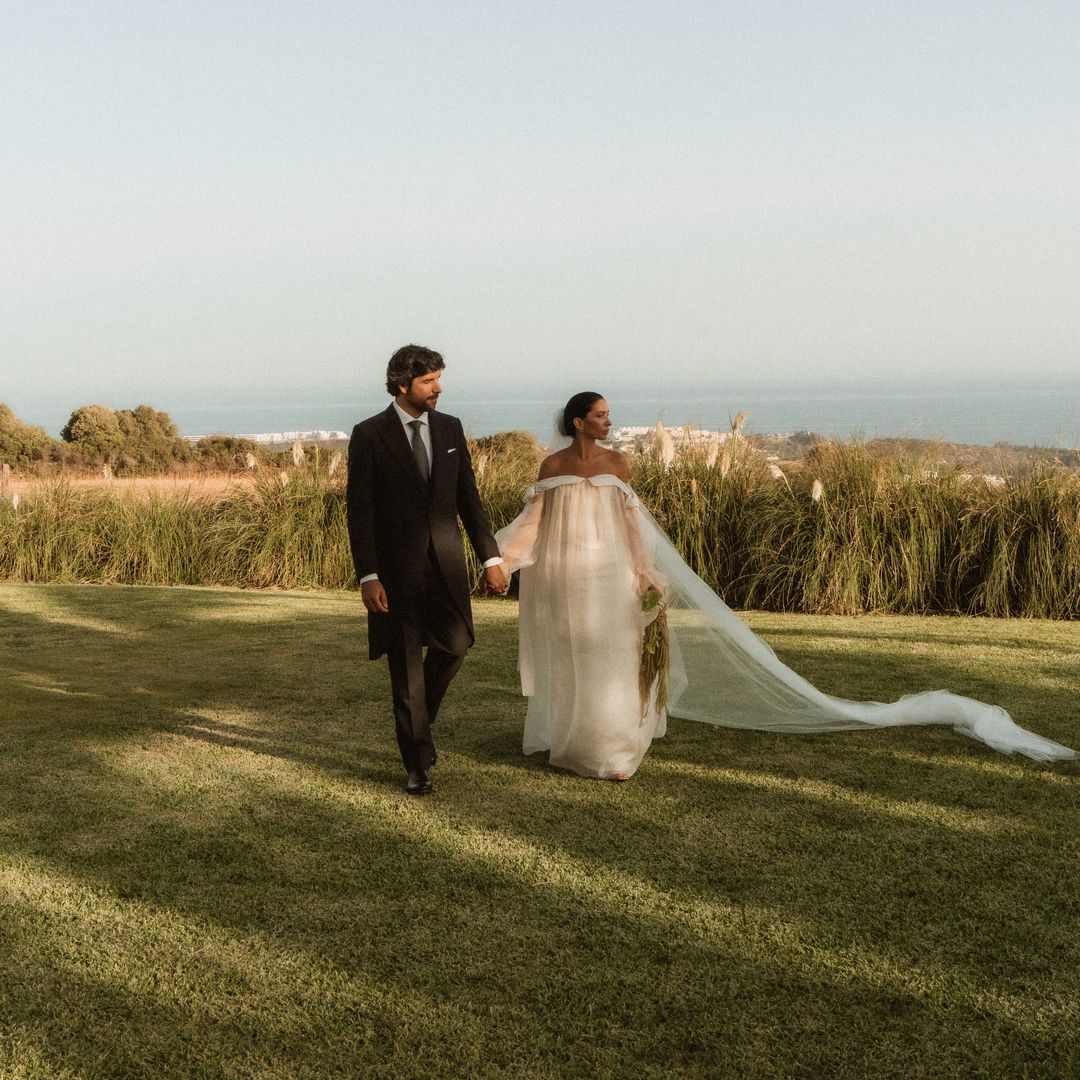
[(419, 783)]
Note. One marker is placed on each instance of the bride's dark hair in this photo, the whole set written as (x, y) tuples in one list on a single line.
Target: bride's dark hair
[(577, 408)]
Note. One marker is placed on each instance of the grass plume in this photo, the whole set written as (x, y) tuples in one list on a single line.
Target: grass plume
[(842, 532)]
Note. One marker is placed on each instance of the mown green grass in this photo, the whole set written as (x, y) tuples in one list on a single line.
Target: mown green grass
[(208, 867)]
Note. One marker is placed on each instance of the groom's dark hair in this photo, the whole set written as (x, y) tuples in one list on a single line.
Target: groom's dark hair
[(409, 362)]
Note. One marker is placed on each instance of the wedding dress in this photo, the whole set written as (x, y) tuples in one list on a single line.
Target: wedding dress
[(585, 560), (587, 549)]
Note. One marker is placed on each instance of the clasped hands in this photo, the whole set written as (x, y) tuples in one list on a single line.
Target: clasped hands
[(494, 580)]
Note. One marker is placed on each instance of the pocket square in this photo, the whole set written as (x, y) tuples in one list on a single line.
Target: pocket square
[(452, 450)]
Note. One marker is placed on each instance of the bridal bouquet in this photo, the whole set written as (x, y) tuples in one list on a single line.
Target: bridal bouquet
[(653, 672)]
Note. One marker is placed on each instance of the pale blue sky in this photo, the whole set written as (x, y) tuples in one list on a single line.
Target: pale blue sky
[(199, 199)]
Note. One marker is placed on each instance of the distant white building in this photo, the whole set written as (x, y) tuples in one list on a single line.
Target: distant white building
[(642, 438), (292, 436)]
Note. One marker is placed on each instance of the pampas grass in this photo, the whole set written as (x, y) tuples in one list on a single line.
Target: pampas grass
[(849, 532), (845, 531), (284, 531)]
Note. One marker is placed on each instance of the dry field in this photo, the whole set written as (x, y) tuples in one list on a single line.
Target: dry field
[(201, 486)]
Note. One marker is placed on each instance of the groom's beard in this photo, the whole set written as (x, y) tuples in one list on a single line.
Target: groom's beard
[(424, 404)]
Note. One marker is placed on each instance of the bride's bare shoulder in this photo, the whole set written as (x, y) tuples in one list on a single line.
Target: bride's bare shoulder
[(563, 463), (617, 465), (552, 465)]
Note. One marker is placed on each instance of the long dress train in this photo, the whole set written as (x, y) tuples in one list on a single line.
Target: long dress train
[(586, 548)]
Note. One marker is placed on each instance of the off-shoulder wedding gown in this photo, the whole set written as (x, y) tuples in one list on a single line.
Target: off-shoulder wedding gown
[(587, 548)]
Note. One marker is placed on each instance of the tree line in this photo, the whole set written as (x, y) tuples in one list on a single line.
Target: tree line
[(142, 440)]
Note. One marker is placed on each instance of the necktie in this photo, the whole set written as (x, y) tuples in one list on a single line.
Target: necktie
[(418, 449)]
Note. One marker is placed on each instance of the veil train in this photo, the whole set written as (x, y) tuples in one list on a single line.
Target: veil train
[(722, 673)]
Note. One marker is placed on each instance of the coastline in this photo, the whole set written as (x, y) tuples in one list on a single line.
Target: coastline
[(1039, 412)]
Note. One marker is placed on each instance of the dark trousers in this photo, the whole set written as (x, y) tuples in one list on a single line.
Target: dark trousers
[(418, 682)]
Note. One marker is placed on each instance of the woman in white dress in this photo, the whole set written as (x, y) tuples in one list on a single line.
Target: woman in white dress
[(589, 551), (586, 562)]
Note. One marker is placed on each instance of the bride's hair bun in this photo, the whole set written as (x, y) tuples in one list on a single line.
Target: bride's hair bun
[(577, 408)]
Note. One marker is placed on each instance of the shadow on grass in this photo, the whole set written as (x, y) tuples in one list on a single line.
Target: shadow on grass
[(225, 799)]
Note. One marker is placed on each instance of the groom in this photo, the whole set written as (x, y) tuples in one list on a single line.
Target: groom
[(410, 479)]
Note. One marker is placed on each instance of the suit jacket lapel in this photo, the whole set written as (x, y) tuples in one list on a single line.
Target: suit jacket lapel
[(438, 447), (393, 434)]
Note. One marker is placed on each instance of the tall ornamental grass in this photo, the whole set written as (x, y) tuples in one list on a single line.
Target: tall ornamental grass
[(287, 531), (283, 530), (845, 531), (59, 533)]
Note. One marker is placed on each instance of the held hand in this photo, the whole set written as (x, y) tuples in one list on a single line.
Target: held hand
[(651, 602), (649, 585), (494, 581), (374, 597)]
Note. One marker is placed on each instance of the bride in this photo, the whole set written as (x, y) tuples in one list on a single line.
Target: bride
[(589, 551)]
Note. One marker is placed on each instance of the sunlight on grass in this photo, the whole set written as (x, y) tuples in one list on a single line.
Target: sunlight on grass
[(192, 970), (22, 603), (999, 766), (246, 605), (208, 867), (42, 684), (23, 1053), (836, 793), (223, 723), (790, 947)]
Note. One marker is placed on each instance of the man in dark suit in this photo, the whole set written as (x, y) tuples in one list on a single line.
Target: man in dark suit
[(410, 479)]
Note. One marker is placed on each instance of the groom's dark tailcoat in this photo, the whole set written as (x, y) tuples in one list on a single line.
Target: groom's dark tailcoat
[(405, 529)]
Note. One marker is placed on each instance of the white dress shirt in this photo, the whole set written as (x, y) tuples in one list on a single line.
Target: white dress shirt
[(425, 438), (425, 430)]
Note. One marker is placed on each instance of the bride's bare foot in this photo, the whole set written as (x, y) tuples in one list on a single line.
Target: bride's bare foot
[(619, 777)]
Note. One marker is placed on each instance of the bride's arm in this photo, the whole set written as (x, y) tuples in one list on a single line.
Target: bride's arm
[(642, 548), (518, 540), (640, 537)]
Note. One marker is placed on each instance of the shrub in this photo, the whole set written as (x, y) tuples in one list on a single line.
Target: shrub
[(227, 453), (94, 431), (21, 444)]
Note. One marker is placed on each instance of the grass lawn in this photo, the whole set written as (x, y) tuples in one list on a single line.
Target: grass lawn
[(208, 867)]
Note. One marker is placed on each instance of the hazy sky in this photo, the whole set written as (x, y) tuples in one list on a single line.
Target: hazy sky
[(199, 197)]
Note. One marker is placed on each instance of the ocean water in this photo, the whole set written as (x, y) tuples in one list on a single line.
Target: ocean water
[(1035, 413)]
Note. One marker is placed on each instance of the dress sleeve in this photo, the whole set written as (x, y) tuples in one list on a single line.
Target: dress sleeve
[(642, 542), (518, 540)]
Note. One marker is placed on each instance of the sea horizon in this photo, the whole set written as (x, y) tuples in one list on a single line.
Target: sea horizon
[(1032, 412)]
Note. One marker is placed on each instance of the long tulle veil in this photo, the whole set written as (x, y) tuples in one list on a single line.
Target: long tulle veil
[(723, 674)]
